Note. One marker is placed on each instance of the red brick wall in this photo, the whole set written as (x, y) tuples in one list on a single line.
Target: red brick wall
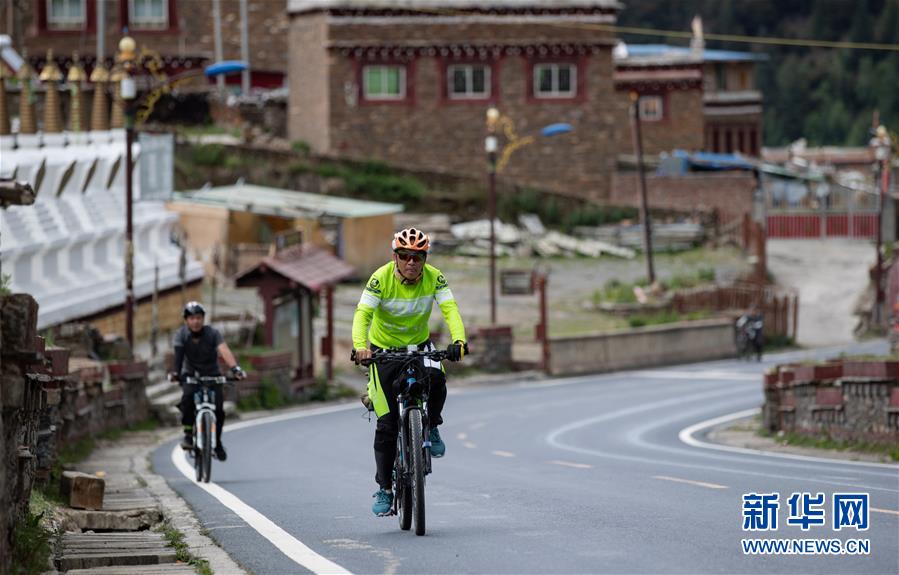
[(730, 194)]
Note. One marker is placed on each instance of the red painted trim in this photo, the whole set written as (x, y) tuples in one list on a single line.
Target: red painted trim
[(42, 24), (443, 64), (580, 94), (172, 28), (407, 100)]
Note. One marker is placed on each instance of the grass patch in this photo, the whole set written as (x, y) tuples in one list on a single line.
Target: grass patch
[(616, 291), (182, 552), (827, 442), (210, 155), (776, 342), (31, 546), (642, 320), (324, 391), (300, 147), (114, 434), (5, 280)]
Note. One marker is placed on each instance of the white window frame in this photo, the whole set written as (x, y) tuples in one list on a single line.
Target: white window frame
[(554, 68), (469, 94), (384, 97), (160, 24), (66, 23), (648, 114)]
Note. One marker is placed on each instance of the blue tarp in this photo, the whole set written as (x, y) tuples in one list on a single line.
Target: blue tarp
[(681, 162)]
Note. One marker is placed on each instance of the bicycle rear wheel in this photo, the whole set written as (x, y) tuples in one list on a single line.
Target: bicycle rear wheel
[(416, 451), (207, 446)]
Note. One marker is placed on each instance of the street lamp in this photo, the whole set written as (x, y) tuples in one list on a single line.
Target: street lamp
[(883, 148), (495, 121), (129, 60)]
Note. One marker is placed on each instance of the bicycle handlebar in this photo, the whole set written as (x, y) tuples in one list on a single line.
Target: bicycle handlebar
[(397, 354), (215, 379)]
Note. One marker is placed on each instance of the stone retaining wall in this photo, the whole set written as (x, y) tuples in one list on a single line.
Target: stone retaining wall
[(844, 400)]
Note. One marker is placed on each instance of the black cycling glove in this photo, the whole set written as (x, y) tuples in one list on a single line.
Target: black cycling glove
[(456, 351)]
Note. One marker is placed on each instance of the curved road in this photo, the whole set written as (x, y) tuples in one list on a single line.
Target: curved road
[(582, 475)]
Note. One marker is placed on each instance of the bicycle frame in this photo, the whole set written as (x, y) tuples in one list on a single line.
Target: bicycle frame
[(407, 401)]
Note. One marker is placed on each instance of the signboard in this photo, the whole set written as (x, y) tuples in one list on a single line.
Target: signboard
[(156, 167), (516, 282)]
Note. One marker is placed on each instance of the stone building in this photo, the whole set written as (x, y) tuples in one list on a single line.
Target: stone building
[(409, 83), (181, 31)]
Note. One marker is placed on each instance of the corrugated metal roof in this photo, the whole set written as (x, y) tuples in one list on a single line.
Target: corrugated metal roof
[(285, 203), (309, 5), (638, 52)]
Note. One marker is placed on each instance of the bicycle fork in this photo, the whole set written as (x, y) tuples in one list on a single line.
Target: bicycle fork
[(204, 407)]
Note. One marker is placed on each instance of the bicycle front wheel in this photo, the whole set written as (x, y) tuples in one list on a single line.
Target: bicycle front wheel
[(401, 489), (207, 446), (416, 451)]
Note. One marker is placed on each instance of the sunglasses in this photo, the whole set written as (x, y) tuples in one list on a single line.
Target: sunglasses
[(413, 256)]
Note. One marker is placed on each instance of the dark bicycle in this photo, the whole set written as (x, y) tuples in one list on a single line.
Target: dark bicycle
[(413, 453), (205, 424)]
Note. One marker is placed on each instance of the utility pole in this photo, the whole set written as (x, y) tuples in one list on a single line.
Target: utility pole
[(491, 146), (101, 34), (217, 33), (244, 47), (644, 204)]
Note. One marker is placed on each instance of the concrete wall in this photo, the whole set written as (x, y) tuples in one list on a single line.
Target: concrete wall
[(728, 193), (365, 242), (643, 347)]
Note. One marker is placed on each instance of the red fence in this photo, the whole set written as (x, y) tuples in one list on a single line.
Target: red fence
[(814, 225), (780, 308)]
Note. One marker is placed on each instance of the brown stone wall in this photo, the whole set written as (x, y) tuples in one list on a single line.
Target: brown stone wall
[(309, 103), (190, 35), (681, 127), (730, 194)]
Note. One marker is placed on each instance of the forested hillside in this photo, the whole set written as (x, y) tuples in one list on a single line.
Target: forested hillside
[(824, 95)]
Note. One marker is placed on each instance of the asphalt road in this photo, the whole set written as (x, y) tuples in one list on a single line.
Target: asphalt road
[(583, 475)]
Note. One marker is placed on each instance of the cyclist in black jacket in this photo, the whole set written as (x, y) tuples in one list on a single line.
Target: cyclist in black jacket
[(197, 349)]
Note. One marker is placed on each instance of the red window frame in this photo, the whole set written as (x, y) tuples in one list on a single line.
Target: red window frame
[(408, 98), (43, 25), (580, 64), (443, 65), (125, 19)]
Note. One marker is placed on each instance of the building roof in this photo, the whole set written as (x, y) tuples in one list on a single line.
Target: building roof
[(312, 5), (655, 54), (307, 265), (285, 203)]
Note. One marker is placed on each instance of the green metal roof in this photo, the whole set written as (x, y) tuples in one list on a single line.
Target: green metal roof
[(285, 203)]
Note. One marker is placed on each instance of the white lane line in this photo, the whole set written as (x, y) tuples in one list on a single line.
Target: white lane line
[(503, 453), (890, 511), (571, 464), (292, 547), (469, 445), (690, 481), (476, 425), (284, 541), (686, 436), (461, 436)]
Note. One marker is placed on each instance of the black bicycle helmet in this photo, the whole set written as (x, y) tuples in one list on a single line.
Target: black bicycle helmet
[(194, 308)]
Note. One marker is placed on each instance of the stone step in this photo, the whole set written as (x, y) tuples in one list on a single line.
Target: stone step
[(162, 388), (93, 550)]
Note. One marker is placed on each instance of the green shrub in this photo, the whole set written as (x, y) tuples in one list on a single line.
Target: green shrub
[(384, 188), (233, 161), (331, 171), (297, 168), (301, 147), (5, 280), (30, 545), (615, 292), (208, 155)]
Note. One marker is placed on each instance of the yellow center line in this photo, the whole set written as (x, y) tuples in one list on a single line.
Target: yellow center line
[(570, 464), (691, 482), (890, 511), (504, 453)]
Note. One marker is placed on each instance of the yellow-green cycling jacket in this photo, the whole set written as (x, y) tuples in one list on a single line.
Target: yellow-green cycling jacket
[(393, 314)]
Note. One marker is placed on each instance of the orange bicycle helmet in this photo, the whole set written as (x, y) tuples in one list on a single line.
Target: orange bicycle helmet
[(411, 239)]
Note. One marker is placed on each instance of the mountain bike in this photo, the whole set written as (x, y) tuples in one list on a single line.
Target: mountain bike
[(205, 440), (413, 451)]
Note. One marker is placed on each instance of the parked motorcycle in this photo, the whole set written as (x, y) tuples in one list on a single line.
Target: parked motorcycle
[(749, 336)]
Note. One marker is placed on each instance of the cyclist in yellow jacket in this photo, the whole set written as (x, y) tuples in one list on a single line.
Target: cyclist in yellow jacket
[(393, 312)]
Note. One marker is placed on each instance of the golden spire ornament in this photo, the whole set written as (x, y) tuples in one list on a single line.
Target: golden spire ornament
[(100, 111), (76, 95), (51, 76)]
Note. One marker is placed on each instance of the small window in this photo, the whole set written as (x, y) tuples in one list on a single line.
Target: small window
[(467, 82), (62, 14), (555, 80), (384, 82), (651, 108), (148, 13)]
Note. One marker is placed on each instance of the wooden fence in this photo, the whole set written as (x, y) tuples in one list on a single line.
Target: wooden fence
[(779, 307)]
